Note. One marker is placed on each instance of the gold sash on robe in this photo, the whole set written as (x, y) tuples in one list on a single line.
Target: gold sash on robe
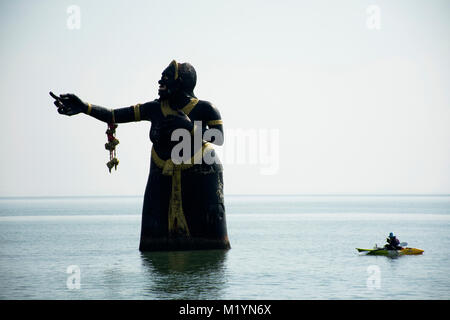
[(176, 218)]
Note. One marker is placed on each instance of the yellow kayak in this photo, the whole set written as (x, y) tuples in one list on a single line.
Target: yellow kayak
[(385, 252)]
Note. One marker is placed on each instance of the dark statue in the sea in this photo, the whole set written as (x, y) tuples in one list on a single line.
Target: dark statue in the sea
[(183, 203)]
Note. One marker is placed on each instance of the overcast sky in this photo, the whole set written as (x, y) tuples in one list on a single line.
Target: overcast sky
[(337, 96)]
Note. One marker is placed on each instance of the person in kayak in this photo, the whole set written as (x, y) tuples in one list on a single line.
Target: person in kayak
[(392, 243)]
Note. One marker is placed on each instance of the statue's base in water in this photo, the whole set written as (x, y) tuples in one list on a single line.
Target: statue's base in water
[(183, 243)]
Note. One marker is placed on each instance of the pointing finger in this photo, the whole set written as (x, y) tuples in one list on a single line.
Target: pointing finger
[(54, 96)]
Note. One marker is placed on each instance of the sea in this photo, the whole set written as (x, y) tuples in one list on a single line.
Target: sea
[(293, 247)]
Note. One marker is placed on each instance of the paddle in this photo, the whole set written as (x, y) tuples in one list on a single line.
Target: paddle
[(403, 244)]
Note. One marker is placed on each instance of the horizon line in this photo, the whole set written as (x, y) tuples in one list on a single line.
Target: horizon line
[(240, 195)]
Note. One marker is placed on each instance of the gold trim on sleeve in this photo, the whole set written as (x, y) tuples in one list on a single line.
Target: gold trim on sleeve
[(137, 112), (214, 122)]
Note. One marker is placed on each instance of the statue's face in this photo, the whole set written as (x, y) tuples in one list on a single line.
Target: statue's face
[(167, 85)]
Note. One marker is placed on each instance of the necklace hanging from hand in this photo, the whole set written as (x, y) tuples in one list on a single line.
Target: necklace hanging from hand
[(111, 146)]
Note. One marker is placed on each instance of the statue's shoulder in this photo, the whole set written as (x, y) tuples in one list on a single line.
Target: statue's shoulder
[(151, 104), (205, 104), (208, 109), (150, 109)]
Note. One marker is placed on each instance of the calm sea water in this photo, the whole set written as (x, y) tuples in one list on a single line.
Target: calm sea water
[(283, 247)]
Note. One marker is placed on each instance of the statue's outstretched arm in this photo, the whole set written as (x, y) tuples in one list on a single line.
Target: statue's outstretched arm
[(70, 104)]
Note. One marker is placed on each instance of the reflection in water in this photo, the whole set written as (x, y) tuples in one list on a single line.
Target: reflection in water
[(196, 274)]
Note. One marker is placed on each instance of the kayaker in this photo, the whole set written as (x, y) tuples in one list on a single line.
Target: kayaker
[(392, 242)]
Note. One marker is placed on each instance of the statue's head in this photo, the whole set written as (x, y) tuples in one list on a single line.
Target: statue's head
[(177, 78)]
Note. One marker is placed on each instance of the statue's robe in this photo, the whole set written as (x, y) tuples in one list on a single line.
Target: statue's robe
[(183, 204)]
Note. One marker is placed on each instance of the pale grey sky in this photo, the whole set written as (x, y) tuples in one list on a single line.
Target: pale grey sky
[(357, 110)]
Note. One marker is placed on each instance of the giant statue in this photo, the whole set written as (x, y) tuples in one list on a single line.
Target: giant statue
[(183, 202)]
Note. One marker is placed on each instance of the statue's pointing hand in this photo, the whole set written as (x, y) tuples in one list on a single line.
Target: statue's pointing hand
[(68, 104)]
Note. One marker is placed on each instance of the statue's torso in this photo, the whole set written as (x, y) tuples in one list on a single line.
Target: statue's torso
[(162, 140)]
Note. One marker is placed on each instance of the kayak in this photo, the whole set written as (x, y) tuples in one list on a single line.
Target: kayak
[(385, 252)]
